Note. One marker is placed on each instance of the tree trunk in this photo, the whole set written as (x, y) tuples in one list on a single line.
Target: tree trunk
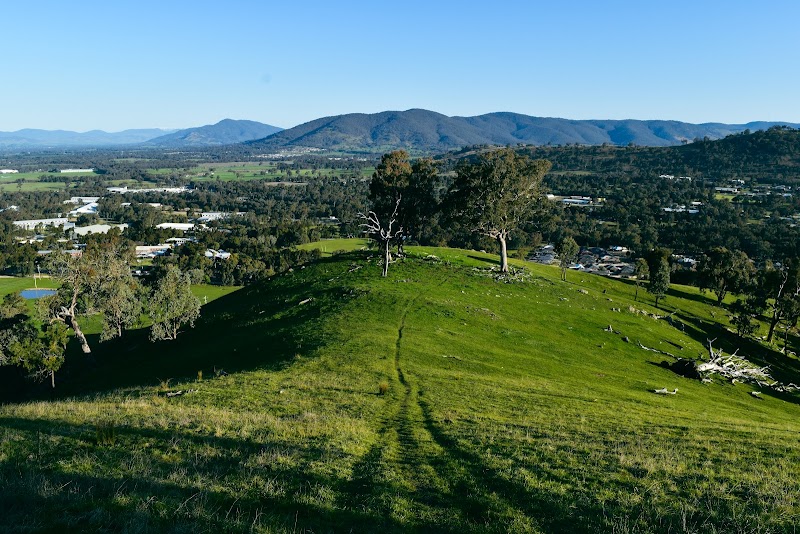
[(386, 257), (53, 379), (657, 297), (772, 324), (79, 334), (785, 338), (503, 253)]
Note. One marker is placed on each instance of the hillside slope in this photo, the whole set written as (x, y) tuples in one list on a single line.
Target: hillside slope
[(436, 399), (419, 130), (225, 132)]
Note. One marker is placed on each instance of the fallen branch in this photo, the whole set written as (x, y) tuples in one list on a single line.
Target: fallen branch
[(179, 393), (656, 350), (664, 391)]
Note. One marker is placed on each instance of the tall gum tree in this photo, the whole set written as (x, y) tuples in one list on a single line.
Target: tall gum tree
[(495, 194), (396, 177), (76, 276), (172, 305), (722, 271), (659, 271)]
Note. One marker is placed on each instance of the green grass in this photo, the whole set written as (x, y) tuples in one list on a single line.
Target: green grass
[(436, 399), (249, 171), (329, 246), (8, 182), (208, 293)]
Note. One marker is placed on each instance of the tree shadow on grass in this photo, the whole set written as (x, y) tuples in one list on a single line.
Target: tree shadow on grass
[(260, 326), (552, 512), (166, 480), (701, 298)]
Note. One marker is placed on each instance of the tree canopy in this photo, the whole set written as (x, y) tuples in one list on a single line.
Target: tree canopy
[(495, 194), (567, 251), (659, 271), (172, 305), (722, 270)]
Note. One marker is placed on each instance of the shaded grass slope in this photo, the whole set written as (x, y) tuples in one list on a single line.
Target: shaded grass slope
[(438, 399)]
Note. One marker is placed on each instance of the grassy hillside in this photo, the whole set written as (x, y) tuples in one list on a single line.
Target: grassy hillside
[(437, 399)]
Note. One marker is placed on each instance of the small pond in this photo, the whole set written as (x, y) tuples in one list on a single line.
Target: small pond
[(36, 293)]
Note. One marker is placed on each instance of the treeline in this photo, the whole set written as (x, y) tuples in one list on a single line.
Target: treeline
[(765, 156), (95, 283)]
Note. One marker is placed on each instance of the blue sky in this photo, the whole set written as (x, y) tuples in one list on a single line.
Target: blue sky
[(113, 65)]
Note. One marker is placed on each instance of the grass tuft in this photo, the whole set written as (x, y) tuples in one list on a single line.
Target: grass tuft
[(105, 434)]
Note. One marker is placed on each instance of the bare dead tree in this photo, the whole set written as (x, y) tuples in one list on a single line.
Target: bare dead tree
[(734, 367), (383, 235)]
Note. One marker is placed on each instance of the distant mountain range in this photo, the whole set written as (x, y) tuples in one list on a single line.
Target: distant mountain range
[(419, 130), (30, 138), (225, 132), (416, 130)]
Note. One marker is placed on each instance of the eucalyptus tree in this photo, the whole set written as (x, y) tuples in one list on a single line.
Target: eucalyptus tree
[(397, 177), (658, 267), (778, 292), (642, 273), (382, 232), (496, 193), (172, 305), (97, 281), (722, 270), (76, 275), (567, 251)]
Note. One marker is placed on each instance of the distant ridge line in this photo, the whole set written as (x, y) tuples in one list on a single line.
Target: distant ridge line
[(420, 130)]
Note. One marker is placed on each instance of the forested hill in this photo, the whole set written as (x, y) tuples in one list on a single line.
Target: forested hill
[(771, 155), (224, 132), (419, 130)]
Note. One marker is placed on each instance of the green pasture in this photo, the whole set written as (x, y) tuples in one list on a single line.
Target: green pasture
[(249, 171), (441, 398), (30, 181)]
